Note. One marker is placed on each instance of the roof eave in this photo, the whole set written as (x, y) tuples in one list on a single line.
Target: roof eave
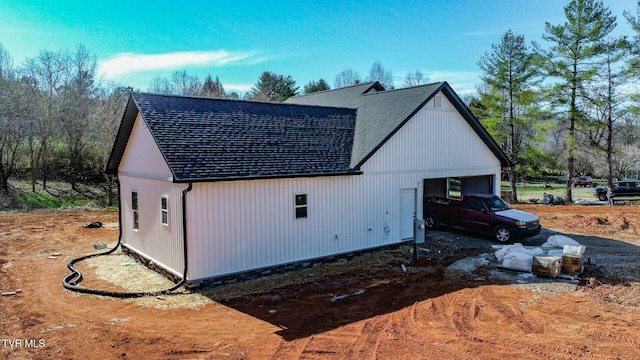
[(266, 177), (476, 125), (122, 137)]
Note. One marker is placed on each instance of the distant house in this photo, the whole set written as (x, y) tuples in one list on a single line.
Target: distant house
[(210, 188)]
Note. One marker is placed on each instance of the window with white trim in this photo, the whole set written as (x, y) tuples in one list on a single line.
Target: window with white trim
[(301, 206), (134, 208), (164, 208)]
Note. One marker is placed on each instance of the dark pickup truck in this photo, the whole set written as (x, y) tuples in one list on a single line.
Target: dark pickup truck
[(485, 213), (623, 188)]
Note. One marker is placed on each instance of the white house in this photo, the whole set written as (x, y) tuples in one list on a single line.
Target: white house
[(211, 188)]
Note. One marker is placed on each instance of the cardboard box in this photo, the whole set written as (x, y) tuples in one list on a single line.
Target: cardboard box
[(571, 264), (549, 266)]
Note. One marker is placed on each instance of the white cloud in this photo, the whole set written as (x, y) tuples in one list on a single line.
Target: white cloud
[(127, 63)]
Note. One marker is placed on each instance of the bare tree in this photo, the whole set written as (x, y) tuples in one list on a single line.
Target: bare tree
[(112, 102), (159, 85), (380, 74), (46, 73), (6, 64), (347, 77), (415, 78), (79, 99), (185, 84), (13, 111)]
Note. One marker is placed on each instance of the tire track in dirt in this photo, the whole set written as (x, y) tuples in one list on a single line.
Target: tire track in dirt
[(511, 315), (369, 339), (335, 343), (541, 346), (605, 335), (291, 349), (515, 341), (467, 310)]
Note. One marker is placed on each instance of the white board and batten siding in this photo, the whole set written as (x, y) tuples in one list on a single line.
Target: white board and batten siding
[(235, 226), (437, 142), (144, 171)]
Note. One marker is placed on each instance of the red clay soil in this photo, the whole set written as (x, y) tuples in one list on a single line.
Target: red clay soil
[(426, 312)]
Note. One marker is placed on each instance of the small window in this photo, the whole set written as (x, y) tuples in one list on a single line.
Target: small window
[(165, 210), (454, 188), (301, 206), (134, 207)]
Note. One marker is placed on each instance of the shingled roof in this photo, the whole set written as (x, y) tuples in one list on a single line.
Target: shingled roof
[(381, 113), (204, 139)]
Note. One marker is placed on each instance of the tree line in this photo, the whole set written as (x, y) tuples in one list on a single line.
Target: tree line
[(567, 108), (571, 104)]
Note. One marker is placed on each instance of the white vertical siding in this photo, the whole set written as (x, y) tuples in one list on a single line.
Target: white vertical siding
[(161, 243), (236, 226), (142, 156), (242, 225), (144, 171), (438, 141)]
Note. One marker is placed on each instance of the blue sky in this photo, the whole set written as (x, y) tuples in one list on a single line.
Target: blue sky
[(136, 41)]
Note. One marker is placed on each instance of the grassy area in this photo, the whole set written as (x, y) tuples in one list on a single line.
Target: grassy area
[(57, 195), (536, 189)]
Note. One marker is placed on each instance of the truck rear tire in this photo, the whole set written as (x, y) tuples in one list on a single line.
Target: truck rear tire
[(502, 234), (431, 221)]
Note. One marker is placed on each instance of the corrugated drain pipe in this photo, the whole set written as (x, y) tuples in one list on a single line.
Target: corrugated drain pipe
[(72, 280)]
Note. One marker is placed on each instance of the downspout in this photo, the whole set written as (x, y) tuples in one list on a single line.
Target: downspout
[(71, 281), (184, 232)]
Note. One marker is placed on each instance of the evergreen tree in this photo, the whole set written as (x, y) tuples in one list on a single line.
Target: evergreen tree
[(273, 87), (213, 88), (510, 75), (575, 47), (313, 86)]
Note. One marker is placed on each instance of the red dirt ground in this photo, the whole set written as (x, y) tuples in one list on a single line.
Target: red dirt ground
[(426, 312)]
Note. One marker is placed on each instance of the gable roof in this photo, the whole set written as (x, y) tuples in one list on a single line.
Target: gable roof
[(381, 113), (205, 139)]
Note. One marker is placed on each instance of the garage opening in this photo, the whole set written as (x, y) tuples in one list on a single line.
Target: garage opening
[(457, 187)]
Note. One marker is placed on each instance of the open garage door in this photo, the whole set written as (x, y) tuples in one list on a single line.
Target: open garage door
[(457, 187), (477, 184)]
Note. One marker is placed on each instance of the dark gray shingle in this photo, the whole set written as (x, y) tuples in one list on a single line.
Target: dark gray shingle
[(383, 112), (218, 139)]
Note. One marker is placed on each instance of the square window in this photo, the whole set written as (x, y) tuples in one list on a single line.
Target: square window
[(301, 199), (301, 212)]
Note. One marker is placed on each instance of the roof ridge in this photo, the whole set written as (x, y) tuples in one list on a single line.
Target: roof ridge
[(197, 97), (370, 83), (404, 88)]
